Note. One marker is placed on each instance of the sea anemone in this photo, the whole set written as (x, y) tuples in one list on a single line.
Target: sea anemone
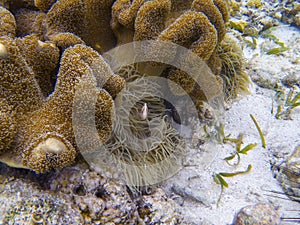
[(147, 150)]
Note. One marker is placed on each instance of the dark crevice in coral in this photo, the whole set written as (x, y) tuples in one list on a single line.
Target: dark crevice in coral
[(100, 192), (25, 175), (79, 190), (14, 5)]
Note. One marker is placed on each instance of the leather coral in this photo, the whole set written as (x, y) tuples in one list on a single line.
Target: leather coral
[(36, 116), (198, 25)]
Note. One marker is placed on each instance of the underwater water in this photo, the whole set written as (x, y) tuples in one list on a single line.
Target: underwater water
[(150, 112)]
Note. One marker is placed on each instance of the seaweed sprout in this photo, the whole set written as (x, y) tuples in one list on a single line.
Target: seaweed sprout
[(281, 46), (262, 137), (237, 154), (219, 179), (218, 133), (286, 102), (239, 150), (252, 44)]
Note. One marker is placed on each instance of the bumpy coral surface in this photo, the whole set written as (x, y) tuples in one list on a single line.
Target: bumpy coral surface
[(36, 115), (30, 22), (197, 25), (8, 23), (45, 136), (86, 19), (7, 125), (77, 195)]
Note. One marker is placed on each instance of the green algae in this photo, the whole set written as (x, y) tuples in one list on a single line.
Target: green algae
[(263, 141)]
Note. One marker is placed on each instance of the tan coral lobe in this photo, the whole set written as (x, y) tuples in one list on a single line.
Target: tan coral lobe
[(90, 20), (25, 94), (44, 5), (65, 40), (43, 138), (7, 125), (192, 30), (7, 22), (55, 116), (150, 20), (212, 12), (30, 22), (43, 59), (49, 153), (197, 25)]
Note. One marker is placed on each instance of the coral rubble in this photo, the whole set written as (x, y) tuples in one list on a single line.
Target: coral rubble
[(260, 213), (76, 195), (288, 175)]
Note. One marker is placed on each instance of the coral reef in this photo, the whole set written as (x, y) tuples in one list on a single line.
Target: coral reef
[(77, 195), (90, 20), (43, 137), (47, 48), (197, 25), (45, 43)]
